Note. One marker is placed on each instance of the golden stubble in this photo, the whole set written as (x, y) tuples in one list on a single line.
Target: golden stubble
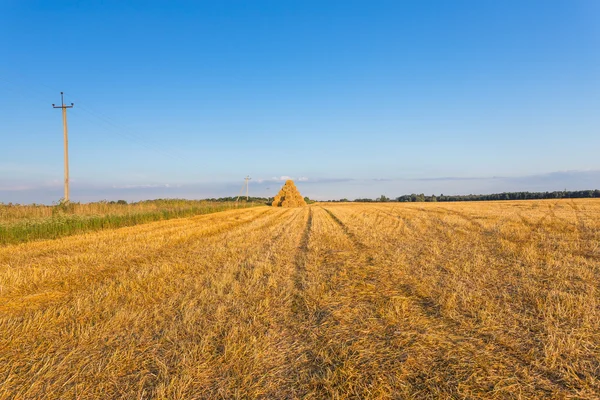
[(385, 300)]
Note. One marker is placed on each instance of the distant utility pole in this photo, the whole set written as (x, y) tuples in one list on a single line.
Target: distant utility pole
[(66, 135), (246, 179)]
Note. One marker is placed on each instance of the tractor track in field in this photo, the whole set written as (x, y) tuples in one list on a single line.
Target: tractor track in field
[(301, 254), (492, 244), (453, 331), (536, 226), (346, 230), (400, 218), (307, 328), (493, 236), (299, 306)]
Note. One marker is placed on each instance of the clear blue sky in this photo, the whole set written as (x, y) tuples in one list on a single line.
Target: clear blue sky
[(350, 98)]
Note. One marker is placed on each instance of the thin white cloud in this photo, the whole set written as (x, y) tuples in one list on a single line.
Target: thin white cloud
[(147, 186), (281, 178), (284, 178)]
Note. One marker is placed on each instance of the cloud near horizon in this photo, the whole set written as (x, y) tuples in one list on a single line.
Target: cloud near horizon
[(282, 178), (317, 188)]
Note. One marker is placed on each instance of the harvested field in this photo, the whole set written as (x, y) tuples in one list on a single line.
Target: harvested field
[(386, 300), (24, 223)]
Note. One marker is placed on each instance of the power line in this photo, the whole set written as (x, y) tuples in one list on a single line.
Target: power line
[(123, 131), (111, 126), (118, 131)]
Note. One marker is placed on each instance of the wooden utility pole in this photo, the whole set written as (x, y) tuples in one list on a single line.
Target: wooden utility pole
[(66, 136), (247, 179)]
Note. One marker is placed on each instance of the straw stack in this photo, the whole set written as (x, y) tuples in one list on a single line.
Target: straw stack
[(289, 196)]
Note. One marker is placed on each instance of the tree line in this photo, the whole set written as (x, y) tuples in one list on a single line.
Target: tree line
[(563, 194)]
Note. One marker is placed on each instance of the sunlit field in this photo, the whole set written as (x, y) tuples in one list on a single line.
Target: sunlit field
[(385, 300), (23, 223)]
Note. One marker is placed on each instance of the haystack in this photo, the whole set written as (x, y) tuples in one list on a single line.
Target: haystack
[(289, 196)]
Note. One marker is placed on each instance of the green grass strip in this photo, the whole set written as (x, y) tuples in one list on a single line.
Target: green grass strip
[(65, 224)]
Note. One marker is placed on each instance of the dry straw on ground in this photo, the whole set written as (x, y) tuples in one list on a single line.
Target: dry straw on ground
[(289, 196), (493, 300)]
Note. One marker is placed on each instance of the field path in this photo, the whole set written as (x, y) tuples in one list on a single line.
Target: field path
[(324, 301)]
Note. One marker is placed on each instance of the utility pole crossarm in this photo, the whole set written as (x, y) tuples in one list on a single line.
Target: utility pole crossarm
[(62, 100), (66, 140)]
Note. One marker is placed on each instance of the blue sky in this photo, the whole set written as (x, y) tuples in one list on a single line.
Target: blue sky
[(350, 98)]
